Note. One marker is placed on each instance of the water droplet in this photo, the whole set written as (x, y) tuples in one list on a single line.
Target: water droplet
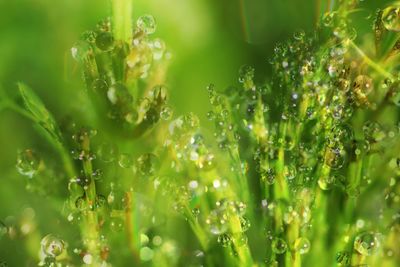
[(116, 198), (302, 245), (362, 85), (3, 229), (299, 35), (87, 259), (166, 113), (117, 224), (271, 263), (146, 164), (97, 175), (147, 24), (100, 86), (82, 180), (279, 245), (146, 254), (119, 95), (125, 160), (81, 50), (80, 203), (104, 25), (328, 19), (289, 172), (240, 239), (391, 18), (108, 152), (52, 246), (366, 243), (28, 163), (373, 131), (246, 76), (245, 224), (217, 221), (105, 41), (158, 48), (335, 158), (139, 60), (326, 182), (101, 201), (224, 239), (268, 175), (343, 258), (89, 36), (210, 115)]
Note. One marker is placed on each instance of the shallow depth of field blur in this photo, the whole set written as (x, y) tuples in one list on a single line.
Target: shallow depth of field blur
[(209, 40)]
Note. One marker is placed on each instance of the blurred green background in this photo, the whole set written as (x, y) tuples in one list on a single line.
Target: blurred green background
[(209, 41)]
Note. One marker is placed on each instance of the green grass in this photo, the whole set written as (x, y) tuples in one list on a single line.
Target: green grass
[(301, 169)]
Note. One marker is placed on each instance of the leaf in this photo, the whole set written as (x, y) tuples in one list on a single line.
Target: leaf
[(40, 113)]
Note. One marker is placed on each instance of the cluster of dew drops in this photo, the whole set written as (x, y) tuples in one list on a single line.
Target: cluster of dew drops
[(111, 66), (295, 70), (333, 101)]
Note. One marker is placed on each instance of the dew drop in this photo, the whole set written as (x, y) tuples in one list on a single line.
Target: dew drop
[(158, 48), (224, 239), (119, 95), (302, 245), (125, 160), (28, 163), (146, 254), (240, 239), (87, 259), (80, 203), (391, 18), (328, 19), (299, 35), (97, 175), (3, 229), (81, 50), (52, 246), (363, 85), (217, 221), (100, 201), (117, 224), (108, 152), (326, 182), (246, 76), (100, 86), (366, 243), (89, 36), (245, 224), (289, 172), (211, 115), (279, 245), (335, 158), (166, 113), (146, 164), (373, 131), (105, 41), (268, 175), (343, 258), (147, 24)]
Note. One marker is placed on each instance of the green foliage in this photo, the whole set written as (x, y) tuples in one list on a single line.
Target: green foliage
[(302, 168)]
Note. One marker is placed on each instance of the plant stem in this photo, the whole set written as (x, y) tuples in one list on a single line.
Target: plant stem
[(130, 227), (122, 25), (90, 232)]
